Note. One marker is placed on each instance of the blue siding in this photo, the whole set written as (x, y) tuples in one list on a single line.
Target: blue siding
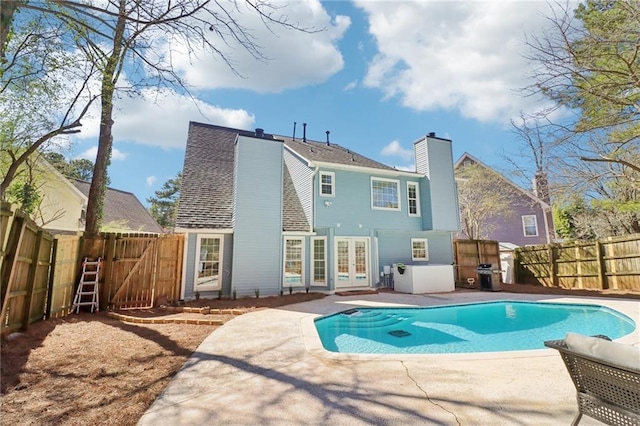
[(351, 205), (434, 159), (257, 248), (395, 246)]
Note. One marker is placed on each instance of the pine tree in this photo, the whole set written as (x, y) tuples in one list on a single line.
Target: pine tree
[(164, 205)]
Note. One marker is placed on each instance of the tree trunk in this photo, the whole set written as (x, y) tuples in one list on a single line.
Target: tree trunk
[(95, 204)]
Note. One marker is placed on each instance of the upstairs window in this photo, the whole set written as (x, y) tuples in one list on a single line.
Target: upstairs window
[(327, 184), (530, 225), (385, 194), (419, 249), (413, 198)]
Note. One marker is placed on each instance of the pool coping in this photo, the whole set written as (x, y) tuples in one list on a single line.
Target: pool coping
[(314, 345)]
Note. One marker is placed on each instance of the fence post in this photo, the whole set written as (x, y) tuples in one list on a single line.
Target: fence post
[(31, 280), (52, 273), (602, 270), (553, 266), (106, 291)]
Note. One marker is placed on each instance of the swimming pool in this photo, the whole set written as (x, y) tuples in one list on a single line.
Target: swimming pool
[(478, 327)]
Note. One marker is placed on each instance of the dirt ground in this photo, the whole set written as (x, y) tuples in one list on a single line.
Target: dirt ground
[(94, 369)]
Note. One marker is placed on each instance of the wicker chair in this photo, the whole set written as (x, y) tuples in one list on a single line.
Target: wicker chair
[(605, 391)]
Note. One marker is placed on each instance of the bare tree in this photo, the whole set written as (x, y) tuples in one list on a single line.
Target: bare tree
[(484, 200), (587, 61), (124, 33)]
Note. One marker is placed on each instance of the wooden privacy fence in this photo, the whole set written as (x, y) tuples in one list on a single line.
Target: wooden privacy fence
[(138, 269), (468, 254), (609, 263), (39, 273), (24, 269)]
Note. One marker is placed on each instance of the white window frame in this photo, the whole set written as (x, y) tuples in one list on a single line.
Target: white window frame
[(417, 198), (313, 261), (397, 183), (211, 285), (426, 250), (524, 225), (333, 184), (286, 284)]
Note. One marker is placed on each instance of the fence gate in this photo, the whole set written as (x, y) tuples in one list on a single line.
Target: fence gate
[(138, 268), (468, 254)]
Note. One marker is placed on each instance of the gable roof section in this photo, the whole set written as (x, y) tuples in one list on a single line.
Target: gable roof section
[(206, 196), (467, 156), (122, 206), (332, 153)]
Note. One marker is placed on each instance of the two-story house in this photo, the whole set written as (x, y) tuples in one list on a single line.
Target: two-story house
[(265, 212), (531, 221)]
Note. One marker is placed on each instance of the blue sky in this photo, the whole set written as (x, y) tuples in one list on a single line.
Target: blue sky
[(381, 75)]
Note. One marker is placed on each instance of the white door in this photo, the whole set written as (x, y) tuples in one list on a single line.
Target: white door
[(352, 262)]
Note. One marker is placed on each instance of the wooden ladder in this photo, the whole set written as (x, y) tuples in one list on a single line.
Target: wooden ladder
[(88, 286)]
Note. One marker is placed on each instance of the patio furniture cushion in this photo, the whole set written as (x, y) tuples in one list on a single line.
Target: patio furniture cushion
[(617, 353)]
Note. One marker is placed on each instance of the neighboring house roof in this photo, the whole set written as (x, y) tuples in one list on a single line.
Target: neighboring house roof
[(466, 156), (206, 196), (124, 208)]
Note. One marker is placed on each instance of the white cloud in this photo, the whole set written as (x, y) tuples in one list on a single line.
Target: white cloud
[(351, 85), (454, 55), (160, 118), (395, 149), (151, 180), (91, 153), (292, 58)]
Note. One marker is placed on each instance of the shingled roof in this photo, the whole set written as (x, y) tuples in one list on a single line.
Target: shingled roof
[(330, 153), (206, 196), (124, 208)]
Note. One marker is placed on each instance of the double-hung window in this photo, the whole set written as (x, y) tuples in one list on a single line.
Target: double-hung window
[(530, 225), (385, 194), (413, 198), (419, 249), (327, 184)]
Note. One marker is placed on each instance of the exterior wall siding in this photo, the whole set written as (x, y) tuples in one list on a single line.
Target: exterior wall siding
[(302, 177), (395, 246), (351, 205), (257, 248), (510, 229), (434, 159)]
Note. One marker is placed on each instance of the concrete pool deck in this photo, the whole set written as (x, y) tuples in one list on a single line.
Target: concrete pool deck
[(269, 367)]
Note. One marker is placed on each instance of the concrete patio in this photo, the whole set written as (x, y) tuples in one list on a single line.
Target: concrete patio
[(268, 367)]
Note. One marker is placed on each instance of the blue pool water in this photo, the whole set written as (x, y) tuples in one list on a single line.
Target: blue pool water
[(480, 327)]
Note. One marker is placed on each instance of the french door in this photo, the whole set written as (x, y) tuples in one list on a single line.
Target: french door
[(352, 262)]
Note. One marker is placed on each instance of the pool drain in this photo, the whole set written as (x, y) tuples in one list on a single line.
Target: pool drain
[(399, 333)]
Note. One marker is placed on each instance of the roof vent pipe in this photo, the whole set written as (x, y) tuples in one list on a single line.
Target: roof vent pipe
[(432, 134), (327, 132), (304, 132), (259, 133), (294, 130)]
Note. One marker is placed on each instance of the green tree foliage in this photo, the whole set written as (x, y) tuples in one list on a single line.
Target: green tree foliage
[(588, 63), (44, 90), (164, 205), (122, 33)]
